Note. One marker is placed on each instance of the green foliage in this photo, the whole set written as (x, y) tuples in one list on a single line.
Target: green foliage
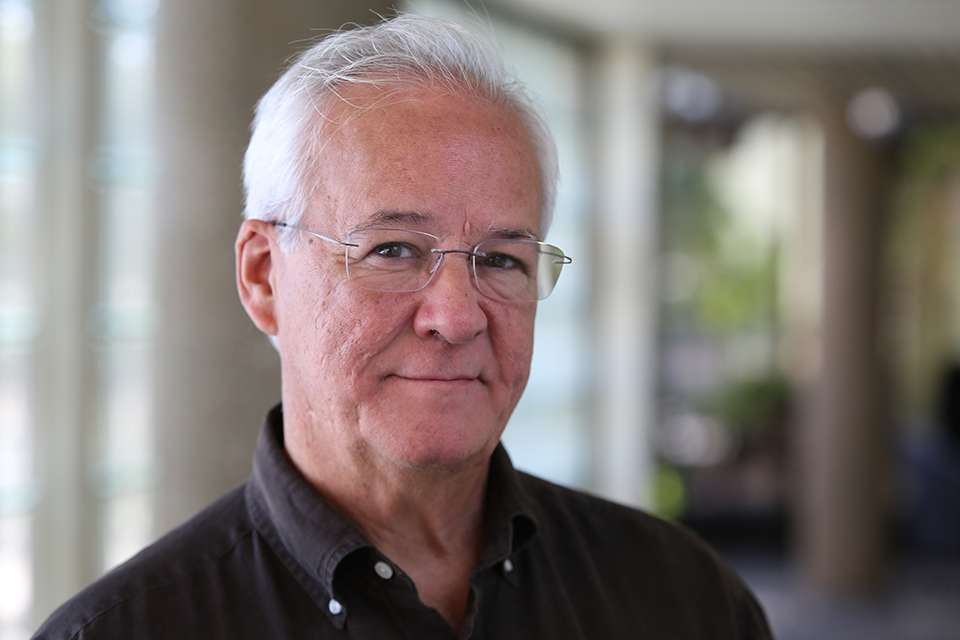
[(737, 296), (931, 151), (920, 261), (737, 275), (752, 408), (669, 492)]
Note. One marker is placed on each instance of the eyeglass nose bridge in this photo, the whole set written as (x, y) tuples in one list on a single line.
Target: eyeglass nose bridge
[(443, 252), (471, 267)]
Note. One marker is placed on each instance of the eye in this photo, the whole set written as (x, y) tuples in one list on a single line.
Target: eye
[(503, 262), (395, 251)]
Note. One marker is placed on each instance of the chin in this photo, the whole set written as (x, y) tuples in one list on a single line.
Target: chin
[(422, 428), (444, 448)]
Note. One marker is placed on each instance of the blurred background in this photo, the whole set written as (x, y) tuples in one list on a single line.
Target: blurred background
[(759, 335)]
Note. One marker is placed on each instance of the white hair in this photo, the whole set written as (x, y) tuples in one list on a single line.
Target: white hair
[(404, 51)]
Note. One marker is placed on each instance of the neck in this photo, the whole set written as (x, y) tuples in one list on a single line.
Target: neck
[(438, 511), (428, 521)]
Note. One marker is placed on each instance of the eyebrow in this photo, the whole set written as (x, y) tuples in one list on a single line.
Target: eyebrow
[(502, 233), (406, 218), (417, 219)]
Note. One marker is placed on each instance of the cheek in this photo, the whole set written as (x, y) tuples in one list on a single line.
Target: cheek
[(353, 328), (513, 340)]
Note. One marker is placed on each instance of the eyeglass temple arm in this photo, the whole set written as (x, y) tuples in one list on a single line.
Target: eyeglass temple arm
[(277, 223), (563, 259)]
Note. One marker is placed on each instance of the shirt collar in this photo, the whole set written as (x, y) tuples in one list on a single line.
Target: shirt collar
[(309, 530), (308, 533), (507, 513)]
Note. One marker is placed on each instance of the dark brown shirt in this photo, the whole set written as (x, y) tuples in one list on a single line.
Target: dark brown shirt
[(273, 560)]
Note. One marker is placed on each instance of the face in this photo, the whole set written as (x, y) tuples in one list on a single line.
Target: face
[(423, 379)]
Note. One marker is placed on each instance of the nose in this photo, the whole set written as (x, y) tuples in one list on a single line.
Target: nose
[(450, 304)]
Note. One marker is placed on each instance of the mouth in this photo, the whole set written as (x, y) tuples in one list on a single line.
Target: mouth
[(438, 380)]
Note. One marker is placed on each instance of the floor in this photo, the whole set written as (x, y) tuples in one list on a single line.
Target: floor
[(920, 602)]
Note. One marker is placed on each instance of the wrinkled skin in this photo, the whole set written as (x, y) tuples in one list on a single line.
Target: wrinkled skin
[(418, 380)]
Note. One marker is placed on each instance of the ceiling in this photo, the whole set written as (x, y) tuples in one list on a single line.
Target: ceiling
[(777, 53), (823, 25)]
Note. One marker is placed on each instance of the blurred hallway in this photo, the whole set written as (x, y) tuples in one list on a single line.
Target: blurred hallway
[(762, 201)]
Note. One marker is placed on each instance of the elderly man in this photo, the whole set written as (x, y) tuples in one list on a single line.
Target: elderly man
[(398, 187)]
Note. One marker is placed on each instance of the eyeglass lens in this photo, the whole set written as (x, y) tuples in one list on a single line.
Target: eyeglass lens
[(402, 260)]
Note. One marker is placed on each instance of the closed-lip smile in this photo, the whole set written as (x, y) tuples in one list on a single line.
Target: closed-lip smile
[(438, 378)]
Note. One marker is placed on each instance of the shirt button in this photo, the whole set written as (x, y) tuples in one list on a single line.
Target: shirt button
[(335, 607), (383, 570), (507, 565)]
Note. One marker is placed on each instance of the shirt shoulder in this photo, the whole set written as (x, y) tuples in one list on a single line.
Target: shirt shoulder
[(634, 561), (149, 584)]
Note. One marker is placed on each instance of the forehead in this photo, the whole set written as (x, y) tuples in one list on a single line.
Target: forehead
[(456, 160)]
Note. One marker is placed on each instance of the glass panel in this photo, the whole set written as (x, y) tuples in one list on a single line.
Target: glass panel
[(128, 520), (16, 587), (17, 316), (123, 322)]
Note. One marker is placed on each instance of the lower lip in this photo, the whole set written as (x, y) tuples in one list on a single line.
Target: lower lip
[(437, 382)]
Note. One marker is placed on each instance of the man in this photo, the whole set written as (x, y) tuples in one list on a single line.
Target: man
[(398, 188)]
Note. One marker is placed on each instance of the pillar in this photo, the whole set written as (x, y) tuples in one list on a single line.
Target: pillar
[(65, 282), (843, 520), (626, 249)]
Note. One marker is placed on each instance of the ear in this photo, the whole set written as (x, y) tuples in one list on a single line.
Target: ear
[(257, 256)]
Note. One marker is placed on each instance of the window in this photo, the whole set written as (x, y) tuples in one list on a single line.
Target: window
[(123, 320), (18, 158), (76, 88)]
